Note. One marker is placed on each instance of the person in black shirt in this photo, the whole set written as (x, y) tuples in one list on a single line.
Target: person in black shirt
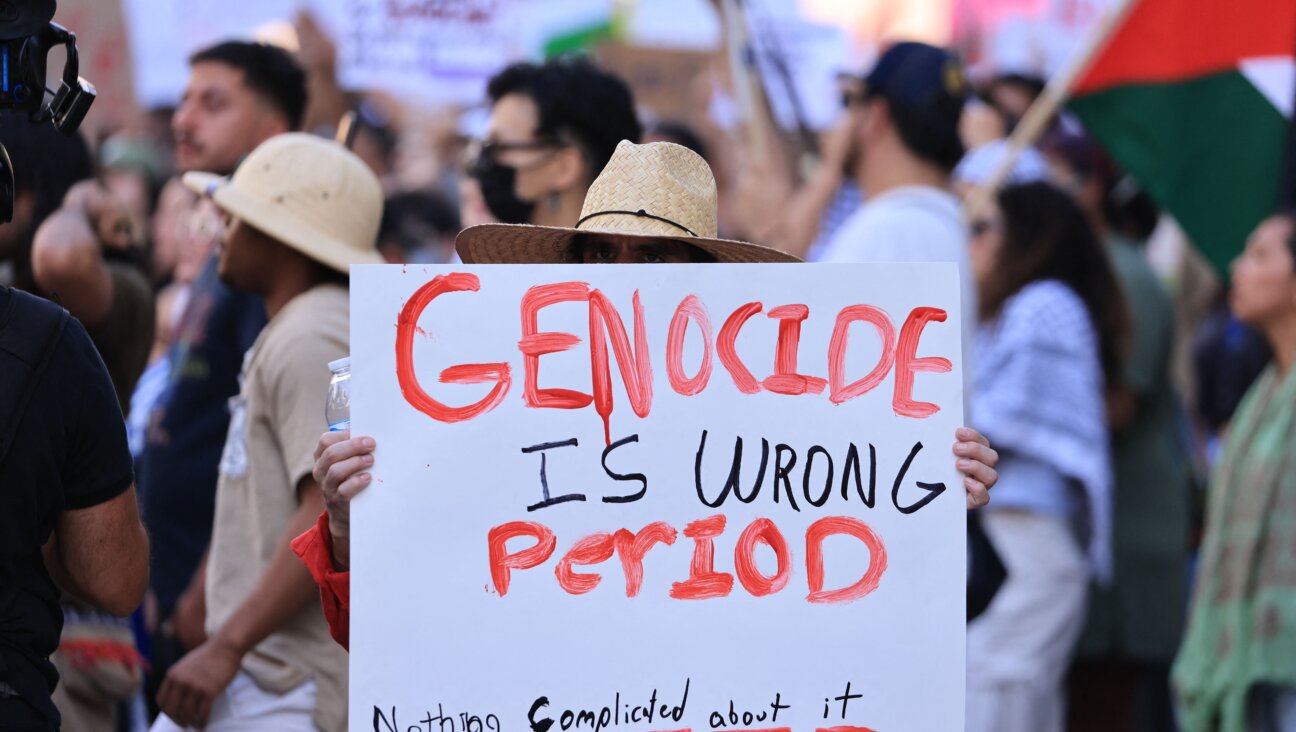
[(68, 516)]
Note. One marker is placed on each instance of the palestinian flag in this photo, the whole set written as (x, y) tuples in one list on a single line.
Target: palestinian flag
[(1193, 98)]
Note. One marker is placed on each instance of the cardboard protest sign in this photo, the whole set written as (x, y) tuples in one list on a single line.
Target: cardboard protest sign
[(658, 497), (665, 81), (105, 61)]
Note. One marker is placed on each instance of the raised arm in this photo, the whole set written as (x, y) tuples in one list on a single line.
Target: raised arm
[(68, 250)]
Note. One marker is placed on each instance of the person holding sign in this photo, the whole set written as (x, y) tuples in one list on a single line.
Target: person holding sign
[(653, 203), (268, 662)]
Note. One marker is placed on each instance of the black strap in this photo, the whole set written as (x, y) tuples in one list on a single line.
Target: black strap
[(641, 214), (29, 329), (986, 570)]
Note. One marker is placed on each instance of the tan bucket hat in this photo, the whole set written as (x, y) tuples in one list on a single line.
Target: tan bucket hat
[(310, 193), (655, 191)]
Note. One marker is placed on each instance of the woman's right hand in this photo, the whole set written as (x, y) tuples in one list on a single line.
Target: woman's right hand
[(341, 469)]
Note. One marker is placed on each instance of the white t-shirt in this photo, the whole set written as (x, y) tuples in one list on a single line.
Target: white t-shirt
[(911, 224)]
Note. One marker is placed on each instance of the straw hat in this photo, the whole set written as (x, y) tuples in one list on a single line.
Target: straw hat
[(310, 193), (655, 191)]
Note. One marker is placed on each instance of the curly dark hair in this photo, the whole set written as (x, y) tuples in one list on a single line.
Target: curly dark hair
[(1047, 236), (577, 102)]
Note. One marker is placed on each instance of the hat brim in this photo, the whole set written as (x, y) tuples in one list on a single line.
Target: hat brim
[(203, 183), (527, 244), (273, 221)]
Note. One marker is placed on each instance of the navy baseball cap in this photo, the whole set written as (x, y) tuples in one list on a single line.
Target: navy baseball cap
[(921, 78)]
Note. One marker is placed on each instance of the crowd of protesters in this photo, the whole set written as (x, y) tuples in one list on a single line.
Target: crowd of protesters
[(1140, 412)]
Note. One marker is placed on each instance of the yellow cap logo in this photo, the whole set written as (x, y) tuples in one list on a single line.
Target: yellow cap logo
[(955, 82)]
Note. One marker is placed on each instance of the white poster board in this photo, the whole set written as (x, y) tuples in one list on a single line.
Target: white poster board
[(435, 51), (164, 33), (105, 61), (799, 62), (431, 52), (487, 597)]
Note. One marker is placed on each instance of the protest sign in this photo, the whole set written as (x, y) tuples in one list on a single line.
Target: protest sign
[(658, 497), (440, 51), (105, 61), (431, 52), (799, 62), (1028, 37), (163, 35), (665, 81), (445, 51)]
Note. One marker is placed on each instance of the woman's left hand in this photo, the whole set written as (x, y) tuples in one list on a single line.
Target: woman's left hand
[(976, 461)]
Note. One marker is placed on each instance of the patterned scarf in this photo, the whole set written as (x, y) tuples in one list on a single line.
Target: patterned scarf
[(1242, 626), (1038, 391)]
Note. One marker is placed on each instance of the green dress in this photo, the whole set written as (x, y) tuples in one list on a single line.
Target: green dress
[(1140, 616), (1242, 626)]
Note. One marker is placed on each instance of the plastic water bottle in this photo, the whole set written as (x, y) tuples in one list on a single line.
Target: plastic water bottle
[(337, 409)]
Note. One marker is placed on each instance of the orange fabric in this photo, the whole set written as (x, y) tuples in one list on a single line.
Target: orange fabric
[(315, 548)]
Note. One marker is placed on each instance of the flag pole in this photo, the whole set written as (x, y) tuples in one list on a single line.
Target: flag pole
[(1036, 121), (746, 78), (1287, 191)]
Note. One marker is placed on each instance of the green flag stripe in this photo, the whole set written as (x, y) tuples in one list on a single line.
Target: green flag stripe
[(1208, 150), (579, 39)]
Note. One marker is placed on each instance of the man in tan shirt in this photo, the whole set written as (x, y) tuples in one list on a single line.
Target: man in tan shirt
[(269, 662)]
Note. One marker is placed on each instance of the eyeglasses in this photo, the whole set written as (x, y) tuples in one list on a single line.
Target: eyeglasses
[(484, 152), (980, 227), (856, 94), (491, 150)]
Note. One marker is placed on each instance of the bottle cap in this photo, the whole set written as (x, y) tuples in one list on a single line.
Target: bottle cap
[(342, 364)]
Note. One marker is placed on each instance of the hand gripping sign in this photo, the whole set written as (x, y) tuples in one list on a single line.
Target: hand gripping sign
[(660, 497)]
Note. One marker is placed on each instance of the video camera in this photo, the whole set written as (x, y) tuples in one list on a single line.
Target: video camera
[(27, 34)]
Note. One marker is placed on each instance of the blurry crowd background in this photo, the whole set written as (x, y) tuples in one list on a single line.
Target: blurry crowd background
[(1171, 361)]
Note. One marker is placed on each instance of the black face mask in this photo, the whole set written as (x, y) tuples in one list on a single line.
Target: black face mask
[(496, 182)]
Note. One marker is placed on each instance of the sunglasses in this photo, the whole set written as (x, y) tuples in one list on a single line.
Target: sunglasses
[(492, 150), (854, 97), (980, 227)]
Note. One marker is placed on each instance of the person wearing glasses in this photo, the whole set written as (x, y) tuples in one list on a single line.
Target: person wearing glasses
[(552, 128)]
